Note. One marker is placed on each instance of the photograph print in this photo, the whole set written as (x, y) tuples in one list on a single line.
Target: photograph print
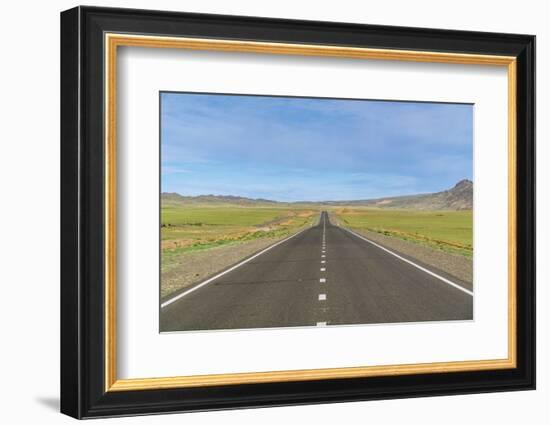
[(280, 211)]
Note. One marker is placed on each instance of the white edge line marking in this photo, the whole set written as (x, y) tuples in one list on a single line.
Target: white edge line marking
[(183, 294), (321, 323), (322, 297), (447, 281)]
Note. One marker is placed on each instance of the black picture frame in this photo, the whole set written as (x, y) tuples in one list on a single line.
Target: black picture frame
[(83, 392)]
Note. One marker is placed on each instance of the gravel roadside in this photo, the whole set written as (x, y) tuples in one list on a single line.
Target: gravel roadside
[(453, 264), (192, 267)]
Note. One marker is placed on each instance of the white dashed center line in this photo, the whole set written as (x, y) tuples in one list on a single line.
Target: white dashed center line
[(323, 297)]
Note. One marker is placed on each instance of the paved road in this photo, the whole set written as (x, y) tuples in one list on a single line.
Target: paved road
[(323, 276)]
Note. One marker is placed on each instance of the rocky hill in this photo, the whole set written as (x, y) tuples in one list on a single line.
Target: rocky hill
[(460, 197)]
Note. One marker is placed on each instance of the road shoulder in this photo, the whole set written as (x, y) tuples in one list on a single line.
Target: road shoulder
[(455, 266)]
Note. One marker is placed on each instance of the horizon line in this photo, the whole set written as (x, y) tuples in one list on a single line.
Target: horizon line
[(314, 201)]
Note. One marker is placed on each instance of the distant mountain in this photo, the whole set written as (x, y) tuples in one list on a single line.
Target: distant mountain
[(460, 197), (176, 198)]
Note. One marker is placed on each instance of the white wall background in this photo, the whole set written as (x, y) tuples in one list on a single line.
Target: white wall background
[(29, 215)]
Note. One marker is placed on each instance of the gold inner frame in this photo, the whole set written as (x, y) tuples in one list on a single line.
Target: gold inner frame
[(113, 41)]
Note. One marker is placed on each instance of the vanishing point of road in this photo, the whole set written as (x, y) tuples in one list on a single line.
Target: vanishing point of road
[(324, 275)]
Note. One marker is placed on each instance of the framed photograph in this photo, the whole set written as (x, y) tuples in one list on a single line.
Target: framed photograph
[(261, 212)]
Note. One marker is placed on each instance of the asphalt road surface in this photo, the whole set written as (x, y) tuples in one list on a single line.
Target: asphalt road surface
[(322, 276)]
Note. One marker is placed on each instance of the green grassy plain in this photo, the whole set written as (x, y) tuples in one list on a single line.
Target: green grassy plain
[(194, 227), (186, 228), (449, 231)]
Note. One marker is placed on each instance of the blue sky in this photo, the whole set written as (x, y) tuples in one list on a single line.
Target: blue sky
[(292, 149)]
